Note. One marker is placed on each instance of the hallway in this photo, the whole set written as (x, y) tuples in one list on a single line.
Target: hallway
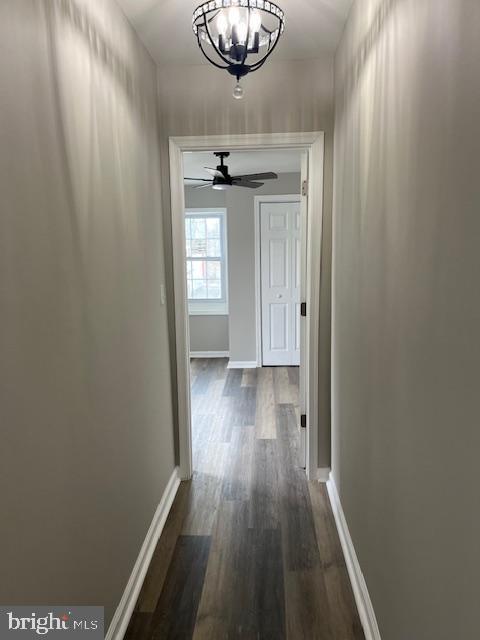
[(250, 549), (125, 251)]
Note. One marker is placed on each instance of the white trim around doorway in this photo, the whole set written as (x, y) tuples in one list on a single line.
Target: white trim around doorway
[(313, 144)]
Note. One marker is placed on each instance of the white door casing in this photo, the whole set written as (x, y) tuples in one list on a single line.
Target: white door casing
[(313, 144), (280, 268), (304, 369)]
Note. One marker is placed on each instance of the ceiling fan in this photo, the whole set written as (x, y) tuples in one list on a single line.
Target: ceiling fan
[(222, 180)]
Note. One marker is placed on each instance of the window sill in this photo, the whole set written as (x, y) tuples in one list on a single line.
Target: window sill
[(207, 309)]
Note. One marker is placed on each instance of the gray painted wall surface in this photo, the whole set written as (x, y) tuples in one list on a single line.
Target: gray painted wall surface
[(199, 198), (240, 204), (209, 333), (281, 97), (406, 348), (85, 388)]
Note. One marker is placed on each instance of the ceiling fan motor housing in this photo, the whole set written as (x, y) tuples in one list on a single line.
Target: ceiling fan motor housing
[(222, 179), (218, 182)]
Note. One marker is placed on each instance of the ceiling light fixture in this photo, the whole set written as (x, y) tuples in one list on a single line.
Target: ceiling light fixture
[(242, 34)]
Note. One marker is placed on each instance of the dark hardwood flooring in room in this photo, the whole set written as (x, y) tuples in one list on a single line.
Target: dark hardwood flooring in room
[(250, 549)]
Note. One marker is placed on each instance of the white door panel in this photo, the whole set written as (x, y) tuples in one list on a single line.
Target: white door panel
[(281, 271), (278, 264), (278, 327)]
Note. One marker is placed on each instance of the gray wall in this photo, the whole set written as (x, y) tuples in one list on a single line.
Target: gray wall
[(84, 379), (240, 204), (281, 97), (209, 333), (406, 302)]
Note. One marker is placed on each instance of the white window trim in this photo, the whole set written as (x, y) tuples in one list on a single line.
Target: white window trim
[(212, 307)]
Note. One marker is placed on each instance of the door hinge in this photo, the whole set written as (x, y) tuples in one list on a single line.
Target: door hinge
[(305, 188), (303, 309), (303, 420)]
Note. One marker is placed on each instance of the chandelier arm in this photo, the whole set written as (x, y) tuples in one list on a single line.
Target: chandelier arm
[(270, 48), (257, 65), (245, 53), (215, 64), (220, 54), (270, 38), (260, 63)]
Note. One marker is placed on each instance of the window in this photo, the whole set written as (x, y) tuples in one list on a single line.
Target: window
[(206, 261)]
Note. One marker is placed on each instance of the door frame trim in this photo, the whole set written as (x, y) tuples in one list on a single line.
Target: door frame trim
[(314, 144), (258, 275)]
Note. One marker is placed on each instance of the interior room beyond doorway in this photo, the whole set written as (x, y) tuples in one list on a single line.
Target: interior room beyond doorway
[(226, 320)]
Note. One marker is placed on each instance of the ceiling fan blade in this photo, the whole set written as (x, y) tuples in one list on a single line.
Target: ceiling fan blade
[(203, 186), (198, 179), (214, 172), (257, 176), (248, 184)]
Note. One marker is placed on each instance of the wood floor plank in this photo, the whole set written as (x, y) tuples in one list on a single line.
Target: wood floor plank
[(250, 549), (224, 419), (202, 432), (264, 498), (244, 408), (263, 587), (207, 403), (299, 537), (346, 623), (294, 376), (308, 615), (285, 393), (249, 378), (219, 595), (238, 468), (265, 418), (157, 571), (139, 627), (205, 374), (243, 595), (176, 611), (232, 382), (206, 489)]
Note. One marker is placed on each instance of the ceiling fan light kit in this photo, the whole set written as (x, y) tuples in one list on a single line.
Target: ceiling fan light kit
[(221, 179), (238, 35)]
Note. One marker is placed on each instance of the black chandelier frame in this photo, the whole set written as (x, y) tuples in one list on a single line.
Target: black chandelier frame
[(236, 63)]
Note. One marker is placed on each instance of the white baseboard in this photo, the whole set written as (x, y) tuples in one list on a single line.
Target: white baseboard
[(359, 586), (124, 611), (242, 364), (323, 474), (209, 354)]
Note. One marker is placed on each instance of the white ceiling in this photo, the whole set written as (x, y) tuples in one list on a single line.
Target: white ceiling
[(241, 162), (312, 29)]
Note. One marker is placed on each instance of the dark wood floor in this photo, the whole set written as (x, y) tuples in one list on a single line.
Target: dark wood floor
[(250, 549)]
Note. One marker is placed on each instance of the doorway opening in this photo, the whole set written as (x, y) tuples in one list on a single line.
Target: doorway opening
[(279, 342)]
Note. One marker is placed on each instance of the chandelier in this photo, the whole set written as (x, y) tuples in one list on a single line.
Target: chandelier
[(238, 35)]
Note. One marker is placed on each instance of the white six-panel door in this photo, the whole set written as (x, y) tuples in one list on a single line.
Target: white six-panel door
[(280, 269)]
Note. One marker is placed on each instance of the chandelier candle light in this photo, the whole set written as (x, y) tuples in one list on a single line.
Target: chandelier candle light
[(238, 35)]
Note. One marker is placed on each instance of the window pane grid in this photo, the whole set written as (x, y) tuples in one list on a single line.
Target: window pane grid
[(204, 236)]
